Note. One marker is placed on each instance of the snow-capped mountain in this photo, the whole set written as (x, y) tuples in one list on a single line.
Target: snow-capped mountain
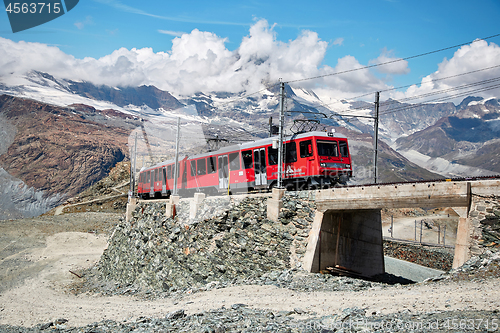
[(466, 143), (51, 105)]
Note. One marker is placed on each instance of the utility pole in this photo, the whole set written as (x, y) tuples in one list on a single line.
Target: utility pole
[(135, 164), (176, 165), (375, 137), (280, 135), (133, 156)]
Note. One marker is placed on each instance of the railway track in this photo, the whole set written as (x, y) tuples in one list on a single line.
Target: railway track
[(262, 192), (455, 179)]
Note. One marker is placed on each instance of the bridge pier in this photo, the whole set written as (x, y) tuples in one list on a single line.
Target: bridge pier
[(170, 205), (348, 240), (195, 204), (462, 243), (275, 204), (131, 205)]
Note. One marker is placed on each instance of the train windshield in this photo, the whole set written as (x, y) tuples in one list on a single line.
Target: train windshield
[(328, 148), (344, 152)]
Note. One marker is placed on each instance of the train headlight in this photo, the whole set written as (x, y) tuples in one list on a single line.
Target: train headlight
[(348, 166), (322, 165)]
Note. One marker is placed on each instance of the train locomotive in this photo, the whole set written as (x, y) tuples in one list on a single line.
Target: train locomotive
[(310, 161)]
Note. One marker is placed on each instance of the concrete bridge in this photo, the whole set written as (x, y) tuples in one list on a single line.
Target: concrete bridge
[(347, 229), (346, 233)]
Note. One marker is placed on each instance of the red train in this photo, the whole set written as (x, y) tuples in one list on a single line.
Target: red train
[(311, 160)]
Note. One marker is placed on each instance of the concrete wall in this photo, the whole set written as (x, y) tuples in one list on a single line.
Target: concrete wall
[(470, 238), (483, 198), (349, 239)]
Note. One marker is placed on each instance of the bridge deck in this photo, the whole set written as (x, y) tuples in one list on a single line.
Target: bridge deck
[(444, 194)]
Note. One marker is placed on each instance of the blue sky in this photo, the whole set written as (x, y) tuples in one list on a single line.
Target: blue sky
[(362, 30)]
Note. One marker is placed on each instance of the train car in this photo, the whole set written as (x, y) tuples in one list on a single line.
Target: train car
[(311, 160)]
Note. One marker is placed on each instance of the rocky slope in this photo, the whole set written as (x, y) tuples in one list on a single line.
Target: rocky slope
[(60, 151), (469, 138), (238, 242)]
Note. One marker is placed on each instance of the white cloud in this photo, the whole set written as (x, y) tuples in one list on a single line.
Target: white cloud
[(200, 61), (472, 58)]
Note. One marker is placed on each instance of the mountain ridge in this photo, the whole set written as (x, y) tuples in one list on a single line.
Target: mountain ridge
[(55, 151), (420, 134)]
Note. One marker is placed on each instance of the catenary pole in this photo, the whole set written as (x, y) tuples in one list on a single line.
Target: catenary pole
[(135, 166), (176, 165), (375, 136), (280, 135)]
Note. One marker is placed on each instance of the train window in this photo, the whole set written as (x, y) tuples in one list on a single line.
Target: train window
[(164, 180), (201, 167), (344, 152), (290, 152), (247, 159), (211, 164), (234, 161), (156, 175), (306, 148), (193, 168), (328, 148), (148, 174), (272, 155), (169, 172)]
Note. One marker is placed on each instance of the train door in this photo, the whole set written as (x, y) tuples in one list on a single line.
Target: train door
[(260, 166), (223, 172), (152, 184), (184, 175), (164, 181)]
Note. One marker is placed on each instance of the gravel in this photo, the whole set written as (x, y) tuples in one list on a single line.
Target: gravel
[(107, 277), (240, 318)]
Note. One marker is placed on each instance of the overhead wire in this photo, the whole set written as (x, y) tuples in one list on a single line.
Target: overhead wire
[(441, 99), (441, 78), (405, 86), (392, 61), (464, 86), (437, 92)]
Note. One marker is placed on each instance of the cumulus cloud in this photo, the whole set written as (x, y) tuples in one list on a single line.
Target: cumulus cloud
[(200, 61), (197, 61), (479, 59)]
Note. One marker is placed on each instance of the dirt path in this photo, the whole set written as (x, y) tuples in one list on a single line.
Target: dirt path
[(404, 228), (42, 297)]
